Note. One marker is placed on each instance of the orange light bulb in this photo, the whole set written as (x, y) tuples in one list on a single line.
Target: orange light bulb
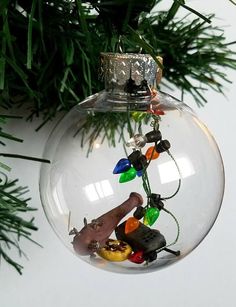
[(131, 224), (151, 153)]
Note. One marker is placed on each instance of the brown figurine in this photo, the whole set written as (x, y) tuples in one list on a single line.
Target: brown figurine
[(94, 235)]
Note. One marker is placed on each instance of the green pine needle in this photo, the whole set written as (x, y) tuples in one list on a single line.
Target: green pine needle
[(29, 35)]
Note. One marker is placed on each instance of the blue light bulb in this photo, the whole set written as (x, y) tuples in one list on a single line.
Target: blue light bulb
[(122, 166)]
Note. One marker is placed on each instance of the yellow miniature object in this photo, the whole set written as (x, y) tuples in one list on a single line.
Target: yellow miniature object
[(115, 250)]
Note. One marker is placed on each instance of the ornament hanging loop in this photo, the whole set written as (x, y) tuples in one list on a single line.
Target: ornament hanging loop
[(140, 48), (120, 45)]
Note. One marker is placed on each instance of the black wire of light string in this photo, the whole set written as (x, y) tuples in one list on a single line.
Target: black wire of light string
[(155, 125), (147, 187), (177, 235), (179, 180), (146, 183)]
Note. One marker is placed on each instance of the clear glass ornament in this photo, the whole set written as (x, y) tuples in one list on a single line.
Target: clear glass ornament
[(182, 176)]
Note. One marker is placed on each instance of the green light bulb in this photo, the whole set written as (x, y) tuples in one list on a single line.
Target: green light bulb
[(128, 175), (138, 116), (151, 216)]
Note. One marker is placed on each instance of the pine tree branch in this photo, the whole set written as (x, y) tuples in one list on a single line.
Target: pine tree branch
[(13, 226), (63, 30)]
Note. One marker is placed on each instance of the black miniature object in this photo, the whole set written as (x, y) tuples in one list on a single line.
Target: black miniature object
[(153, 136), (142, 238), (164, 145)]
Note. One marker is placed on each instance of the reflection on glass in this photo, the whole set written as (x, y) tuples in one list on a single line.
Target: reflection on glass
[(169, 172), (59, 198), (97, 190)]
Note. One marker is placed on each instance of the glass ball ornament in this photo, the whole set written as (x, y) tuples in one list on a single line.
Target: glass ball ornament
[(136, 180)]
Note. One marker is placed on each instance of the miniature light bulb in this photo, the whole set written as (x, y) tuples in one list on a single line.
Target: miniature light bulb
[(131, 224), (151, 153), (151, 216), (138, 141), (128, 176)]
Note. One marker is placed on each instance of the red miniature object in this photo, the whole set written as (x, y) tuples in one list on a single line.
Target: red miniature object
[(94, 235), (156, 112), (159, 112), (137, 257)]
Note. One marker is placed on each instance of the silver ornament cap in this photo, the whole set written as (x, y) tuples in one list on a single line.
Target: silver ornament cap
[(129, 75)]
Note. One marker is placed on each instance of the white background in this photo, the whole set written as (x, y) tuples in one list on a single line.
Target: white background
[(207, 277)]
